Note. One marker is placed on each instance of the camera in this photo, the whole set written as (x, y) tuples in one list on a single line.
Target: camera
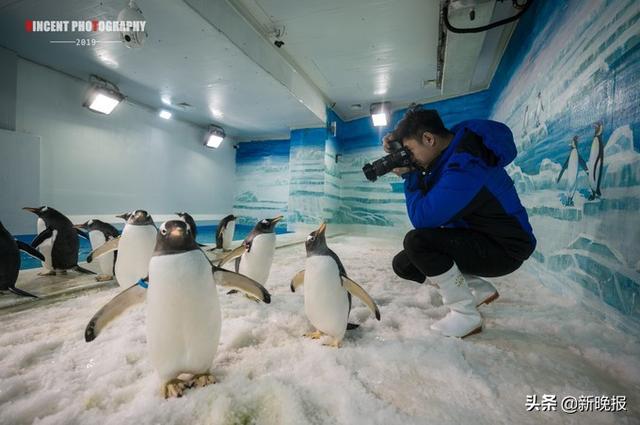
[(399, 157)]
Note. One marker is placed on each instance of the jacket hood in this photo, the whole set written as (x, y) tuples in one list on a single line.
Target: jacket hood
[(496, 137)]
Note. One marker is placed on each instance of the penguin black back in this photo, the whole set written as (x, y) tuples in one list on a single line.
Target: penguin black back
[(64, 253)]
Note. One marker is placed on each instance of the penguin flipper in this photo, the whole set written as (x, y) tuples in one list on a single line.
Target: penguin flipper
[(583, 164), (352, 326), (233, 254), (131, 296), (297, 280), (108, 246), (359, 292), (21, 292), (30, 250), (42, 236), (242, 283)]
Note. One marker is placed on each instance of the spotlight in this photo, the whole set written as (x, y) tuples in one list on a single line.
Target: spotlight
[(103, 96), (380, 113), (215, 136), (164, 114)]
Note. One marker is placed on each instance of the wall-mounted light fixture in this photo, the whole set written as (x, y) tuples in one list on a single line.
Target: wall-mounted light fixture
[(103, 96), (380, 113), (215, 136)]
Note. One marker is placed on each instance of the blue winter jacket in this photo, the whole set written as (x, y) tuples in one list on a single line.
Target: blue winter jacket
[(467, 187)]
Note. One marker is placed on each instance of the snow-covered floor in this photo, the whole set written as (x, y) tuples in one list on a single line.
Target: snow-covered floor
[(395, 371)]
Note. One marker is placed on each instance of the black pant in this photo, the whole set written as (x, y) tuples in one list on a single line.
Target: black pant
[(430, 252)]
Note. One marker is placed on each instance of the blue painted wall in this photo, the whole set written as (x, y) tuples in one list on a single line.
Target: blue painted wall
[(569, 65)]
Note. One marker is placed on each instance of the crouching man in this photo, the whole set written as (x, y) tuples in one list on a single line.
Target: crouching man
[(469, 222)]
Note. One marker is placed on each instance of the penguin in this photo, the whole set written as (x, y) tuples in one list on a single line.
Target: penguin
[(594, 164), (135, 247), (571, 165), (539, 110), (525, 121), (225, 231), (10, 261), (186, 217), (57, 242), (328, 290), (183, 317), (99, 233), (255, 255)]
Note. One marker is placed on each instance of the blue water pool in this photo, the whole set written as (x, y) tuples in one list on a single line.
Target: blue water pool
[(206, 235)]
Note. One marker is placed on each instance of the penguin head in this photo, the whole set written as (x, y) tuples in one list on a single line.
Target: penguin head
[(88, 225), (316, 242), (46, 213), (181, 214), (124, 216), (229, 218), (138, 218), (267, 225), (174, 236), (574, 142), (598, 126)]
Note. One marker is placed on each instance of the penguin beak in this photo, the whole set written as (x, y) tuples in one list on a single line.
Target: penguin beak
[(122, 216), (321, 229), (277, 219), (78, 226), (33, 210)]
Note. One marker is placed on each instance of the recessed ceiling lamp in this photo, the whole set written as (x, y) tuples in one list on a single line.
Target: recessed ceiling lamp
[(380, 113), (165, 114), (215, 136), (102, 96)]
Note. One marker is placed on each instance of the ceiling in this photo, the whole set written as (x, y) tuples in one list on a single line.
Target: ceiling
[(218, 56)]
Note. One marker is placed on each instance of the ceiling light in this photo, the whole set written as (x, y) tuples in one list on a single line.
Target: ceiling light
[(215, 136), (103, 96), (164, 114), (380, 113)]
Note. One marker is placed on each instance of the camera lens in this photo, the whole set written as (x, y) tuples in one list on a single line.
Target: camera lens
[(369, 172)]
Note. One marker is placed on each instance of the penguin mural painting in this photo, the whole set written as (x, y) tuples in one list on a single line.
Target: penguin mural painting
[(99, 233), (182, 309), (539, 110), (134, 246), (10, 261), (571, 167), (594, 163), (255, 255), (57, 242), (225, 231), (328, 290)]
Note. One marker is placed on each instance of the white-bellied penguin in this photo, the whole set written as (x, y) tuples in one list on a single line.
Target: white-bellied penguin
[(595, 162), (98, 232), (571, 167), (58, 242), (224, 232), (10, 261), (328, 290), (183, 311), (255, 256), (135, 247)]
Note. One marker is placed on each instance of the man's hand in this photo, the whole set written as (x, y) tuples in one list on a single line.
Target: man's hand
[(401, 170), (385, 142)]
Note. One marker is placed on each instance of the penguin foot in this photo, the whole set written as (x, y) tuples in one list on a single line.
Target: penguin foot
[(104, 277), (314, 335), (336, 343), (62, 272), (49, 273), (173, 388), (202, 380)]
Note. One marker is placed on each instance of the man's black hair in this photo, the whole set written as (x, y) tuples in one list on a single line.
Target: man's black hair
[(416, 121)]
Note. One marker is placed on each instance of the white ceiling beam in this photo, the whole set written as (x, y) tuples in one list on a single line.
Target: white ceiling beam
[(463, 50), (230, 22)]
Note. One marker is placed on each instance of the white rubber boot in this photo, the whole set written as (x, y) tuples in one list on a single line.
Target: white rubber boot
[(482, 290), (463, 318)]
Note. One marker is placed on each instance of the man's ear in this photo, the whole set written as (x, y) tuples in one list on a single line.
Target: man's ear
[(428, 139)]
